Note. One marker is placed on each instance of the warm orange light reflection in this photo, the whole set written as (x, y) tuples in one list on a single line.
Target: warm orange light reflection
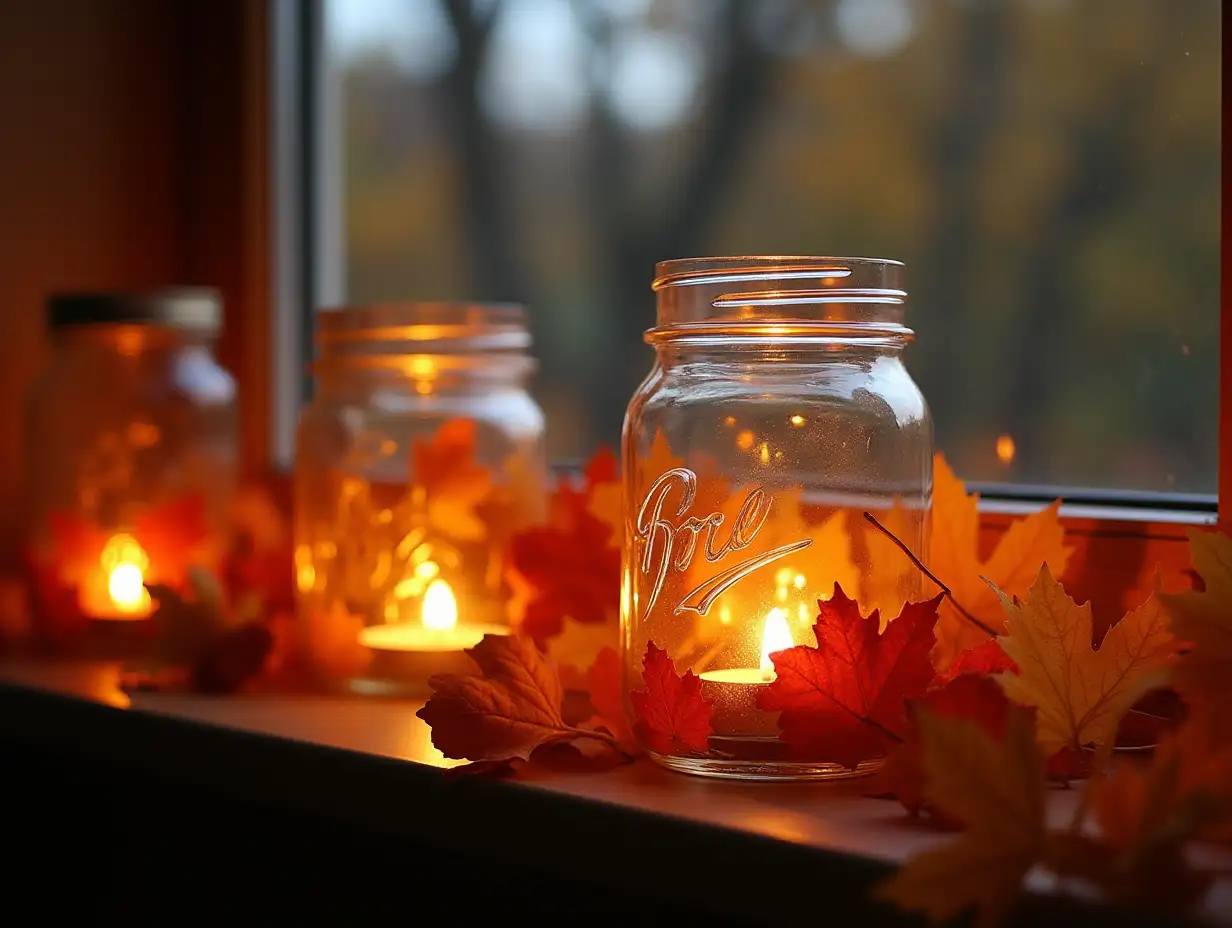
[(1005, 449)]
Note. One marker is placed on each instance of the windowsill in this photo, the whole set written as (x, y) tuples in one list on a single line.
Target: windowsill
[(638, 828)]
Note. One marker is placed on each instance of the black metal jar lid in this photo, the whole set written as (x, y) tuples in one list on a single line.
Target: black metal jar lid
[(197, 309)]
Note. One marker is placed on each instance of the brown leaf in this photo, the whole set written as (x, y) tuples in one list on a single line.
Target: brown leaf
[(510, 710), (1203, 620), (997, 789)]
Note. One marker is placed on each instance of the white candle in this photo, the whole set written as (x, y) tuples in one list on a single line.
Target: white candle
[(735, 689), (437, 643), (775, 636)]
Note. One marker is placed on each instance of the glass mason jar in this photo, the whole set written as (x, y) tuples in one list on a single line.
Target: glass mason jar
[(778, 410), (131, 456), (418, 457)]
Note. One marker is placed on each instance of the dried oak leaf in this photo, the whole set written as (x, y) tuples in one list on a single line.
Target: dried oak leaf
[(1080, 693), (1147, 813), (969, 696), (508, 711), (1030, 542), (672, 716), (453, 482), (997, 788), (1203, 621), (843, 701)]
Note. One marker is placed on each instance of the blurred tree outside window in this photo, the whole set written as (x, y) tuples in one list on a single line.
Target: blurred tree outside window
[(1048, 169)]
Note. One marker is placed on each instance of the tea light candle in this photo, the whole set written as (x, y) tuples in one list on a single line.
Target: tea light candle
[(735, 689), (114, 589), (435, 644)]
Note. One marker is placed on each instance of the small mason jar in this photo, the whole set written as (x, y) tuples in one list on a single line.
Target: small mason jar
[(419, 455), (777, 412), (131, 457)]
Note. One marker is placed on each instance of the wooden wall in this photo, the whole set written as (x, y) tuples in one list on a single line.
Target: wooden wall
[(131, 155)]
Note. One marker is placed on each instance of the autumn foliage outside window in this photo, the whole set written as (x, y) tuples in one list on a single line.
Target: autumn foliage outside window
[(1024, 158)]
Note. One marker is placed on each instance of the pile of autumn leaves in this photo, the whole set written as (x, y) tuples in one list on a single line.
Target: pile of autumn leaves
[(978, 700)]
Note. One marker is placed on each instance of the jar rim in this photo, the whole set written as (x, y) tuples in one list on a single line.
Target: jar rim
[(678, 272), (422, 327)]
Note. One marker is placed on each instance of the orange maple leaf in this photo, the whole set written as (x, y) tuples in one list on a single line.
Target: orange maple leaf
[(954, 558), (672, 715), (1203, 620), (889, 579), (997, 788), (452, 481), (1080, 693), (507, 712)]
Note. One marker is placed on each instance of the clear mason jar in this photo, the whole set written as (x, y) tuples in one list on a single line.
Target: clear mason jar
[(778, 410), (419, 455), (131, 457)]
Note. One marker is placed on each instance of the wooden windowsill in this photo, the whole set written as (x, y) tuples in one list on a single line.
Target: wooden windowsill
[(639, 828)]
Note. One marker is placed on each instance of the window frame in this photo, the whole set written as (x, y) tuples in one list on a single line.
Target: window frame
[(305, 153)]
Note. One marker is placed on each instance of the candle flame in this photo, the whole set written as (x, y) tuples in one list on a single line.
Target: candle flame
[(440, 609), (775, 637), (126, 563)]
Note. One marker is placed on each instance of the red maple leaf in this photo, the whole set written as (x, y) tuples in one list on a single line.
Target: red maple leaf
[(969, 696), (843, 701), (571, 566), (172, 533), (603, 682), (672, 715), (603, 467), (984, 659)]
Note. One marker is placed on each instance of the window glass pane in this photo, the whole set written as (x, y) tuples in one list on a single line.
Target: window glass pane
[(1048, 169)]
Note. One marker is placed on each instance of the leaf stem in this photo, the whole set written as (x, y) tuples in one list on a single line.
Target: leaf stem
[(898, 543), (607, 739)]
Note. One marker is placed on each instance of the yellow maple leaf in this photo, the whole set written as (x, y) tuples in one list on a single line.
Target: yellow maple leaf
[(997, 789), (452, 482), (578, 644), (1204, 621), (1080, 693), (954, 558)]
